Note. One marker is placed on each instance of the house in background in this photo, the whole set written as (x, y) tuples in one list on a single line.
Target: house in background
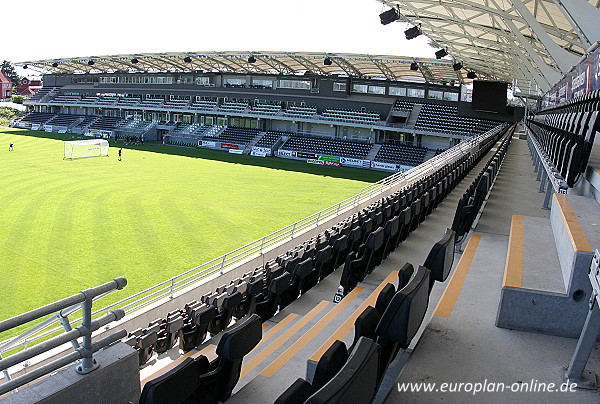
[(29, 87), (5, 87)]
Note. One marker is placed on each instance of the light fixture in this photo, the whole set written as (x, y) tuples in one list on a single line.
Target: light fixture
[(440, 53), (414, 66), (412, 33), (91, 62), (187, 59), (389, 16), (457, 66), (327, 61), (134, 61), (251, 59), (54, 64), (25, 66), (471, 75)]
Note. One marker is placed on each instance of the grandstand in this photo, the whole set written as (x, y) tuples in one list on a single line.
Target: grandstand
[(476, 267)]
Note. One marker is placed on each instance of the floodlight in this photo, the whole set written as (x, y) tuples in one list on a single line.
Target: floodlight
[(91, 62), (134, 61), (440, 53), (25, 66), (327, 62), (389, 16), (414, 66), (457, 66), (251, 59), (54, 64), (187, 59), (412, 33), (471, 75)]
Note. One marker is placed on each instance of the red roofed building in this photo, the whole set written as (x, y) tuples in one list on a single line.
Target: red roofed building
[(5, 87), (29, 87)]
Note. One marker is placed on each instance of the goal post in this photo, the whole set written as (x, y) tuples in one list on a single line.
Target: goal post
[(75, 149)]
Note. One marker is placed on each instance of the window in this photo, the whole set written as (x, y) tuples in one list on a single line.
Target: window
[(261, 83), (295, 84), (448, 96), (235, 82), (376, 90), (339, 87), (400, 91), (415, 92), (360, 88), (203, 81), (435, 95)]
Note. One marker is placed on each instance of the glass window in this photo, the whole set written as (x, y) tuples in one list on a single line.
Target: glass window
[(435, 95), (261, 83), (360, 88), (295, 84), (450, 96), (401, 91), (376, 90), (235, 82), (339, 87), (415, 92)]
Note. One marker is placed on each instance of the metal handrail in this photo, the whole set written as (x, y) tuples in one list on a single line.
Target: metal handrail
[(62, 308), (226, 262)]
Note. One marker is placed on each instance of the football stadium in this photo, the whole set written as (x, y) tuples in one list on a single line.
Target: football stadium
[(312, 227)]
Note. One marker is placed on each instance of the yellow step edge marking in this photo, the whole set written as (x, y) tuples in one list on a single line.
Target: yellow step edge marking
[(265, 326), (301, 342), (576, 233), (348, 325), (513, 269), (272, 347), (176, 362), (450, 295), (275, 329)]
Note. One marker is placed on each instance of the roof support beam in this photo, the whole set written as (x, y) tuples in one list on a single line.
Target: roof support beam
[(583, 17), (563, 59)]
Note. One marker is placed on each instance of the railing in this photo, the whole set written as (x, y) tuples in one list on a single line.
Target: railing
[(83, 300), (229, 261), (549, 177)]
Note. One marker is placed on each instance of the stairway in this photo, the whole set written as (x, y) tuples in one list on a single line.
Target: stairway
[(414, 115), (373, 152)]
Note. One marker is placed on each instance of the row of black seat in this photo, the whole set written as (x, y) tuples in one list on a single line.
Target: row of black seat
[(472, 200), (381, 333), (567, 134)]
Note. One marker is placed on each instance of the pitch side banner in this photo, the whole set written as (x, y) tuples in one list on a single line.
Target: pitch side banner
[(48, 128), (331, 163), (207, 143), (346, 161), (304, 155), (35, 126), (264, 150), (386, 166), (258, 154), (286, 153), (236, 151), (333, 159), (229, 146), (315, 161)]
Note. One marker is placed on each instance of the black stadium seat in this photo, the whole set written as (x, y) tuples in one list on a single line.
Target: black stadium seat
[(218, 383), (356, 382), (441, 257)]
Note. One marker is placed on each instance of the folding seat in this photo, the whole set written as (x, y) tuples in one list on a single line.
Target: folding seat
[(167, 338), (268, 306), (218, 382), (177, 385), (341, 248), (415, 211), (324, 261), (193, 334), (391, 232), (224, 315), (145, 346), (356, 381), (255, 292), (440, 258), (298, 282)]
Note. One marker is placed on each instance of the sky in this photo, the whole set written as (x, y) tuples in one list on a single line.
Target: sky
[(69, 28)]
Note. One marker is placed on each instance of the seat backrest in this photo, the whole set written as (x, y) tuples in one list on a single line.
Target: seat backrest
[(441, 257), (356, 382), (297, 393), (330, 364), (404, 315), (404, 275), (304, 268), (365, 324), (385, 297), (176, 385), (375, 239)]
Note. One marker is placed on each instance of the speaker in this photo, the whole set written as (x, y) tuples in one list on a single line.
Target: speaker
[(91, 62), (471, 75), (440, 53), (327, 62), (412, 32), (457, 66), (134, 60), (414, 66), (251, 59), (54, 64), (187, 59)]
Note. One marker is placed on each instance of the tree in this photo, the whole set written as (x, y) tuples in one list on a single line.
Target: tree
[(11, 74)]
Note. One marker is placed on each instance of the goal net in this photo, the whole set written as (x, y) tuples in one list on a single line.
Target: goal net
[(75, 149)]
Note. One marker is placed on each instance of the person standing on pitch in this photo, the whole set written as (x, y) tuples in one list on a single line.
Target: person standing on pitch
[(10, 147), (120, 150)]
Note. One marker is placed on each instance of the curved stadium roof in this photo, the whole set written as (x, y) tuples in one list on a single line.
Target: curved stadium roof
[(531, 43), (353, 65)]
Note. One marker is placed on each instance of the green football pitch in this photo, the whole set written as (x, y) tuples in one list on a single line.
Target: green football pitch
[(69, 225)]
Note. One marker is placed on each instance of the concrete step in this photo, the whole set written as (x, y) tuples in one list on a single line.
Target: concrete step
[(535, 300)]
